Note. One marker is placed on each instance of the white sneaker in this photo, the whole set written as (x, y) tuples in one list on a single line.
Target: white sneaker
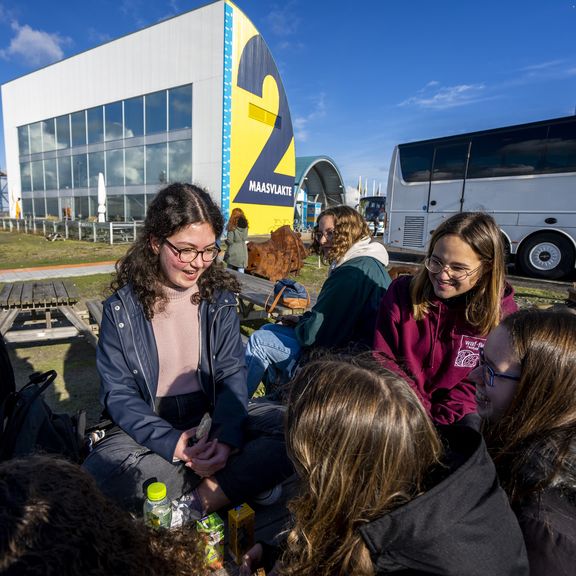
[(268, 497)]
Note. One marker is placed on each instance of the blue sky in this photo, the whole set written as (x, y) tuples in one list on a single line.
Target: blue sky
[(360, 76)]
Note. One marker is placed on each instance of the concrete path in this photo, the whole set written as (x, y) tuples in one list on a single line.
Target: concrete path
[(62, 271)]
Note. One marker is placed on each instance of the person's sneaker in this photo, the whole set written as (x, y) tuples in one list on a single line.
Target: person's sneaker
[(269, 497), (187, 509)]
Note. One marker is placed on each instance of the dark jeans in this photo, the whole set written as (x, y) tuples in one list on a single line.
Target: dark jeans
[(122, 468)]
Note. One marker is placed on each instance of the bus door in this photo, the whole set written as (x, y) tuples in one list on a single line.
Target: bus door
[(446, 194)]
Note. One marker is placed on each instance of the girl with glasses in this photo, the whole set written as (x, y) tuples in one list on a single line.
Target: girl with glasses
[(526, 394), (431, 326), (170, 351), (346, 308)]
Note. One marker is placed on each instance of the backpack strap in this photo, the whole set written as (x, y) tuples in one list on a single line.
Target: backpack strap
[(276, 300)]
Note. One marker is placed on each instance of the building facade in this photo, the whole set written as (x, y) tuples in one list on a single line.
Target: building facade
[(196, 98)]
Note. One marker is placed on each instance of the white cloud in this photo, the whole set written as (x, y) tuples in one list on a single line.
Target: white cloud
[(300, 123), (283, 21), (442, 98), (35, 47)]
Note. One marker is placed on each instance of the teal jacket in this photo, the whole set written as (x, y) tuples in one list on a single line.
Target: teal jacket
[(347, 305)]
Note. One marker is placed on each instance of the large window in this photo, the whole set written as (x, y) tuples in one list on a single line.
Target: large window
[(37, 169), (115, 207), (113, 114), (23, 142), (134, 117), (49, 135), (65, 173), (561, 148), (25, 177), (115, 167), (156, 112), (416, 162), (39, 203), (134, 170), (63, 131), (80, 170), (450, 161), (180, 107), (78, 122), (180, 161), (95, 125), (135, 207), (156, 169), (95, 166), (52, 207), (36, 138), (50, 174)]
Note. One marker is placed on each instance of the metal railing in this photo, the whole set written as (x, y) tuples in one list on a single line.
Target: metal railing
[(109, 232)]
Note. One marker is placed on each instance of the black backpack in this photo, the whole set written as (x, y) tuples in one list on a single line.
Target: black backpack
[(28, 425)]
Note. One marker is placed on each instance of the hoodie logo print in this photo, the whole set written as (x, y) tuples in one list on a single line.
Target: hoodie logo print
[(468, 352)]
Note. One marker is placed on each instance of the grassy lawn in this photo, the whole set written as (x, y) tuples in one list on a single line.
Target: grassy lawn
[(77, 382)]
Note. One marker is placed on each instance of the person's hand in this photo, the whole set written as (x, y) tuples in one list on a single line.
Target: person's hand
[(181, 450), (251, 560), (210, 458)]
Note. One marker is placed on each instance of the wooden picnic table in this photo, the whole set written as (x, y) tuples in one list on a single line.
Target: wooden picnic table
[(40, 300), (259, 292)]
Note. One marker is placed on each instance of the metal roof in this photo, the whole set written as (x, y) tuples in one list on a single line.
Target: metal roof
[(322, 178)]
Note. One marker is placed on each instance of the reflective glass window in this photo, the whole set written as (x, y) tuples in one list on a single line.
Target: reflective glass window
[(134, 165), (95, 125), (180, 107), (81, 207), (134, 117), (80, 170), (37, 169), (180, 161), (78, 123), (65, 173), (36, 138), (115, 207), (52, 207), (23, 142), (39, 207), (95, 166), (50, 174), (156, 169), (63, 132), (156, 112), (25, 177), (113, 113), (115, 167), (27, 207), (450, 162), (135, 207), (561, 148), (49, 135), (416, 162)]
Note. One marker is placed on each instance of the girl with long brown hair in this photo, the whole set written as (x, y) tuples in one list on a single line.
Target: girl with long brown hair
[(431, 326), (526, 394), (381, 490), (236, 256)]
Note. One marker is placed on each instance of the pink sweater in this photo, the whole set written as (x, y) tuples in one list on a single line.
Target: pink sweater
[(176, 331)]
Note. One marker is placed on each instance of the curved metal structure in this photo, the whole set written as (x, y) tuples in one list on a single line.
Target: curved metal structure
[(320, 178)]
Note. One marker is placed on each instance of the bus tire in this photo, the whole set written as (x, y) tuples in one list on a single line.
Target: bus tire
[(546, 255)]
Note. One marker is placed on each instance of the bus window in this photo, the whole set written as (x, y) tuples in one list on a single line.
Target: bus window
[(450, 162), (561, 148), (416, 162)]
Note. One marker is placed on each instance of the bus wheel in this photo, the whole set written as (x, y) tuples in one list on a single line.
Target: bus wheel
[(547, 255)]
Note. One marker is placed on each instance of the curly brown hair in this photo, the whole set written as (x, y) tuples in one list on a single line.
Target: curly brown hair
[(55, 522), (237, 219), (349, 227), (172, 209)]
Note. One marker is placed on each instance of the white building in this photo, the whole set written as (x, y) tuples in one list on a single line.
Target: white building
[(196, 98)]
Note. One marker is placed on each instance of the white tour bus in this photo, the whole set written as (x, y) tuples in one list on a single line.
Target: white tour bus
[(523, 175)]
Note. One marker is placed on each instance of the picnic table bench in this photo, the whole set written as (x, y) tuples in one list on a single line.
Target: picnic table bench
[(259, 292), (40, 300)]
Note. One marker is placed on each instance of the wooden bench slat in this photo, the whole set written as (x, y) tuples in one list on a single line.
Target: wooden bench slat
[(14, 298), (26, 296), (5, 294)]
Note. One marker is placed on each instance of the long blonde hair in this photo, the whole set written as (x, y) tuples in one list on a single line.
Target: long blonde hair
[(349, 227), (539, 426), (481, 233), (362, 444)]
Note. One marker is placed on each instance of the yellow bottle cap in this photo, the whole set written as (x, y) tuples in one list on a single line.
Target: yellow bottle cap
[(156, 491)]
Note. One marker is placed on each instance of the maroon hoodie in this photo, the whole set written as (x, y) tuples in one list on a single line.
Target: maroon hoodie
[(436, 354)]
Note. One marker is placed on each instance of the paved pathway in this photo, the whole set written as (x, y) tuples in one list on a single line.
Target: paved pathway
[(62, 271)]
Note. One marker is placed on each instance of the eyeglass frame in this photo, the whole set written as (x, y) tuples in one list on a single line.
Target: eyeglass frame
[(328, 234), (493, 374), (449, 269), (215, 251)]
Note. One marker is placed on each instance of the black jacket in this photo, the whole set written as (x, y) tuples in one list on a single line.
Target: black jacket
[(461, 526), (127, 360)]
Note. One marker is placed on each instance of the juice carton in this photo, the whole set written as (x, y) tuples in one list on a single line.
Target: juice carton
[(212, 529), (241, 531)]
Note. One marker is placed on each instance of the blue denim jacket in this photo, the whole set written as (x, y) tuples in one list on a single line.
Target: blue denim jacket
[(127, 360)]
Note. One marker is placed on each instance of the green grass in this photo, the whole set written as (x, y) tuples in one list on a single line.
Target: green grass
[(30, 250)]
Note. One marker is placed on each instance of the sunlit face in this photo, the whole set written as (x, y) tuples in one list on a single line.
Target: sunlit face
[(326, 233), (493, 401), (178, 274), (458, 258)]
